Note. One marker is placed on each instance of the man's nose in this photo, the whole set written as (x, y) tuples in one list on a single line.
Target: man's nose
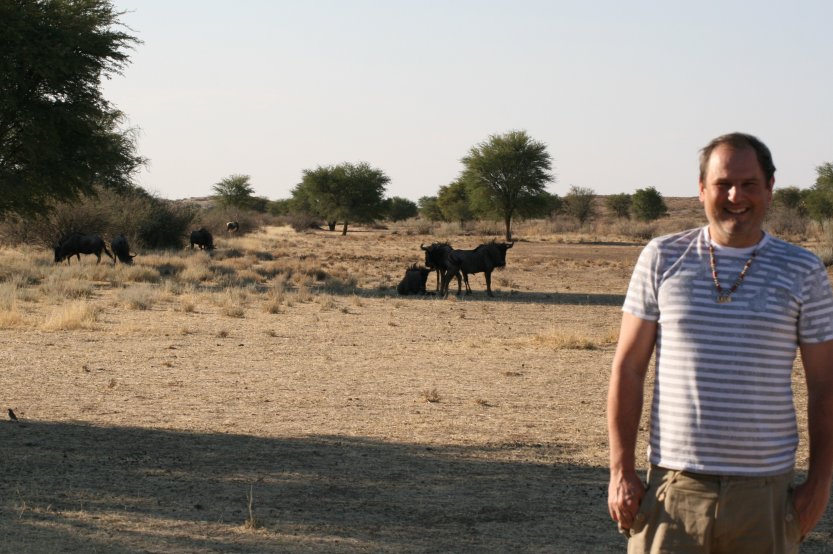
[(734, 193)]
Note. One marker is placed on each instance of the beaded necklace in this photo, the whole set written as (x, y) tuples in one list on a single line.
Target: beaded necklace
[(724, 297)]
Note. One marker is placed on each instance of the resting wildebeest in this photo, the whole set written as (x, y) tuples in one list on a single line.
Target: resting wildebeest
[(202, 238), (76, 244), (232, 227), (414, 280), (121, 250), (485, 258), (436, 257)]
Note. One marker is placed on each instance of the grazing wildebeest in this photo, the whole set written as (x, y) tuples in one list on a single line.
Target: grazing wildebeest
[(232, 227), (483, 259), (436, 257), (202, 238), (76, 244), (414, 280), (121, 250)]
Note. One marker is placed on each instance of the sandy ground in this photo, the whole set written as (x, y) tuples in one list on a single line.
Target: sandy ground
[(349, 421)]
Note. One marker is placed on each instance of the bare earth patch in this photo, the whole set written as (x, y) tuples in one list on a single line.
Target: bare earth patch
[(253, 410)]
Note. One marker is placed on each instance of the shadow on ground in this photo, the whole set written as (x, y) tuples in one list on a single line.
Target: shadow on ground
[(554, 298), (70, 487)]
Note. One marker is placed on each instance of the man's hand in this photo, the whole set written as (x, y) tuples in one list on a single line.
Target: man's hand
[(810, 502), (624, 495)]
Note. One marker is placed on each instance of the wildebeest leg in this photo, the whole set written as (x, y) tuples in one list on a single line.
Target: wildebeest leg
[(466, 279), (438, 279), (489, 283), (447, 281)]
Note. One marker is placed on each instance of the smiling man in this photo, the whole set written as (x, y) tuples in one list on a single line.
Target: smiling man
[(726, 306)]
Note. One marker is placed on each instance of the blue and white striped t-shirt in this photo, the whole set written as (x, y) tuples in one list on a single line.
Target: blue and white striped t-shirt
[(723, 399)]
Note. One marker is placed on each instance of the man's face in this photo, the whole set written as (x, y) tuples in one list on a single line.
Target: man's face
[(735, 195)]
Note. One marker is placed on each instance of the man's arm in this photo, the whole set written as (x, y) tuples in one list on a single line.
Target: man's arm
[(624, 410), (811, 497)]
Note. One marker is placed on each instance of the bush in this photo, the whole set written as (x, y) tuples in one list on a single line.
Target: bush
[(619, 205), (647, 204), (786, 222), (147, 221), (579, 203)]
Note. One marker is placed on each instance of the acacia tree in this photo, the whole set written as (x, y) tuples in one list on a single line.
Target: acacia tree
[(59, 137), (235, 191), (347, 193), (505, 171)]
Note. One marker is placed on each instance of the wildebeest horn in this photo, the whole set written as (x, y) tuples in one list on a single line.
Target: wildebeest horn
[(422, 247), (510, 244)]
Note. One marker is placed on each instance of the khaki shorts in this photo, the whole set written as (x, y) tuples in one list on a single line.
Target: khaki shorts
[(685, 512)]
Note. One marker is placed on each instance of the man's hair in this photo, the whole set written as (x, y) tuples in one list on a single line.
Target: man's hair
[(739, 141)]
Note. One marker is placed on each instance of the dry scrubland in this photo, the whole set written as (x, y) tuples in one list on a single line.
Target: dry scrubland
[(278, 396)]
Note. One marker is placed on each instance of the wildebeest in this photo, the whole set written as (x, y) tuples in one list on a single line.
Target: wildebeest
[(76, 244), (202, 238), (414, 280), (121, 250), (483, 259), (436, 258), (232, 227)]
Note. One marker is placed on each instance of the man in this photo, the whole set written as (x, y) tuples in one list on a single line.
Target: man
[(726, 306)]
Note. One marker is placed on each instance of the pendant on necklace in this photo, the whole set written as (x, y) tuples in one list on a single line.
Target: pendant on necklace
[(723, 298)]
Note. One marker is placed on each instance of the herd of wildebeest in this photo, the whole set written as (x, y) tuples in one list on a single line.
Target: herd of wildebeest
[(448, 262)]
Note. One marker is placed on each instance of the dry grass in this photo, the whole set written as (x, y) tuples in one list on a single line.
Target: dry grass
[(71, 317)]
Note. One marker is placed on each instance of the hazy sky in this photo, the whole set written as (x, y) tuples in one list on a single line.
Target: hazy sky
[(623, 93)]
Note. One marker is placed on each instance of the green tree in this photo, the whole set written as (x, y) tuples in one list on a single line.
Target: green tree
[(399, 209), (505, 172), (235, 191), (819, 204), (453, 202), (579, 203), (429, 209), (824, 176), (315, 194), (790, 198), (619, 205), (59, 137), (542, 205), (347, 193), (647, 204)]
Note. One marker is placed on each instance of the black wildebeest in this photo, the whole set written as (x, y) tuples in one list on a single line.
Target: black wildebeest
[(202, 238), (484, 259), (414, 280), (76, 244), (121, 250), (436, 258), (232, 227)]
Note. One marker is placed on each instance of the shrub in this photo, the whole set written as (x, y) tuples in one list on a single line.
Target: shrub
[(647, 204), (579, 203), (619, 205)]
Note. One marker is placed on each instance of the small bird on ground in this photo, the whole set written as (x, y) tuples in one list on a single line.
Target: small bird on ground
[(11, 415)]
